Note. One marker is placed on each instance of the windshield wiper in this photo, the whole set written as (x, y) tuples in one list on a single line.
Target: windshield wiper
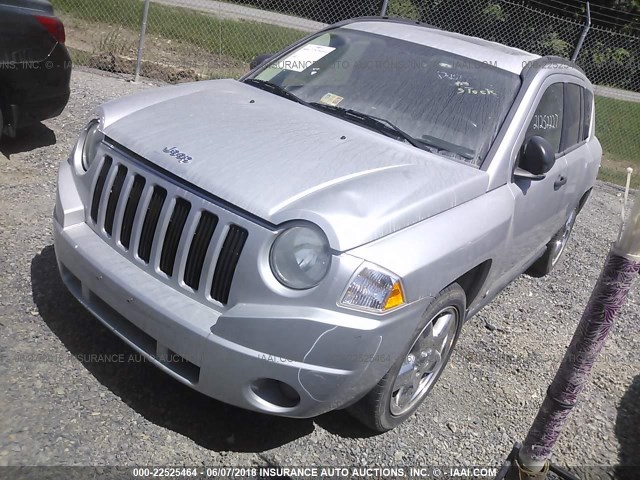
[(387, 127), (442, 145), (275, 89), (382, 125)]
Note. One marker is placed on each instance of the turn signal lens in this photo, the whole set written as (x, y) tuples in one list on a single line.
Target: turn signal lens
[(374, 289), (396, 297)]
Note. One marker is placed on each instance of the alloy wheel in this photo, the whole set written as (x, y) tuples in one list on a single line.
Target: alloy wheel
[(424, 361)]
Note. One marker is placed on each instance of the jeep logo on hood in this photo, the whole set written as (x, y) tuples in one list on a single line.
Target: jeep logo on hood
[(180, 156)]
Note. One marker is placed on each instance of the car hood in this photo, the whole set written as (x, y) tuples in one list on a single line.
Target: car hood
[(282, 161)]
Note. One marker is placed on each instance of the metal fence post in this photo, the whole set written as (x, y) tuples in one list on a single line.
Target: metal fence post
[(143, 29), (582, 35), (383, 11)]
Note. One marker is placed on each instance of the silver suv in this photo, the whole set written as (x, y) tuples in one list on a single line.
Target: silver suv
[(314, 236)]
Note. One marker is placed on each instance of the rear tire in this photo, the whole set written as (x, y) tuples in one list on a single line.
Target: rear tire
[(551, 257), (412, 377)]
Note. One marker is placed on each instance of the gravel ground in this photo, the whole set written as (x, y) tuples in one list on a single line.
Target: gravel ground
[(60, 406)]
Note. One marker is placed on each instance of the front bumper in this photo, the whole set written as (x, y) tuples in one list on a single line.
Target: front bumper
[(238, 355)]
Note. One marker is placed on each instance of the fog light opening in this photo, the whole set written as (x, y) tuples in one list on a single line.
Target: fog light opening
[(275, 392)]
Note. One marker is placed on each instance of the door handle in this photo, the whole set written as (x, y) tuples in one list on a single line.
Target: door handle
[(560, 181)]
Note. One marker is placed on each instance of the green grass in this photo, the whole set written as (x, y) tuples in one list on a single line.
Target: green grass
[(618, 129), (241, 40)]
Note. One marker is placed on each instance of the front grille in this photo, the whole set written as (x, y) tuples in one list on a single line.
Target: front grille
[(99, 187), (226, 266), (174, 232), (130, 210), (116, 189), (199, 244), (173, 223), (151, 222)]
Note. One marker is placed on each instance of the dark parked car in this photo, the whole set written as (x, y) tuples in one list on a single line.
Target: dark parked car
[(35, 67)]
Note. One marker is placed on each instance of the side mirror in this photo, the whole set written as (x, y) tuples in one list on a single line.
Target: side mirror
[(259, 60), (536, 159)]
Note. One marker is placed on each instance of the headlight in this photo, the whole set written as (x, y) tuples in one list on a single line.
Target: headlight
[(87, 146), (300, 257), (373, 288)]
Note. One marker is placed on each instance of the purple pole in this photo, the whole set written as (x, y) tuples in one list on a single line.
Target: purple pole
[(621, 267)]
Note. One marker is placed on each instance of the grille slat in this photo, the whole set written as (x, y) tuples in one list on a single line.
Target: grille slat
[(167, 227), (114, 197), (227, 262), (151, 222), (198, 250), (97, 192), (174, 232), (130, 210)]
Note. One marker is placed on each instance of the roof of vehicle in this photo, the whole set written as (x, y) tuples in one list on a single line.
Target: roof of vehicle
[(496, 54)]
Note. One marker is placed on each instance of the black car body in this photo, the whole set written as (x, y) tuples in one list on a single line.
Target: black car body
[(35, 67)]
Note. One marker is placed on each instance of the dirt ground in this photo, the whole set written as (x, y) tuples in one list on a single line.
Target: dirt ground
[(115, 50)]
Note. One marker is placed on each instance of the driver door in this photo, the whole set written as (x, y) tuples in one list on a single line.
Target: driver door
[(539, 204)]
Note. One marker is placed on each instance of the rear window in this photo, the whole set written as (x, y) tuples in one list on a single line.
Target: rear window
[(588, 105), (573, 118)]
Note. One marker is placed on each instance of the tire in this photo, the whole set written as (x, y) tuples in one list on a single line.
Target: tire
[(388, 404), (551, 256)]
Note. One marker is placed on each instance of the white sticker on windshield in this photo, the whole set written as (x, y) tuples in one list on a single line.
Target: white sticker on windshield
[(331, 99), (304, 58)]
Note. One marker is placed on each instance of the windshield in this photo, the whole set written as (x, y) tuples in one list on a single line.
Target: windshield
[(452, 105)]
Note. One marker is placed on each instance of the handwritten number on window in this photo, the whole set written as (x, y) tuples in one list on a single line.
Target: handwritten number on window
[(546, 122)]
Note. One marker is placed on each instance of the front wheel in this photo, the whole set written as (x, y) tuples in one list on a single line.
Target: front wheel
[(405, 386)]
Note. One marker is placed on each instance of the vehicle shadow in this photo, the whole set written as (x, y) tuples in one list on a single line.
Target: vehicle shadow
[(29, 138), (340, 423), (628, 432), (150, 392)]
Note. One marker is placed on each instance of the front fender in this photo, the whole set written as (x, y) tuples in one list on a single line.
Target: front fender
[(431, 254)]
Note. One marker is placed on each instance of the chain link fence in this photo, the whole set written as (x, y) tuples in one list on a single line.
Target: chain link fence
[(192, 39), (188, 40)]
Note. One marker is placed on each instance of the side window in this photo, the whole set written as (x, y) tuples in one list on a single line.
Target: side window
[(547, 119), (588, 105), (572, 124)]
